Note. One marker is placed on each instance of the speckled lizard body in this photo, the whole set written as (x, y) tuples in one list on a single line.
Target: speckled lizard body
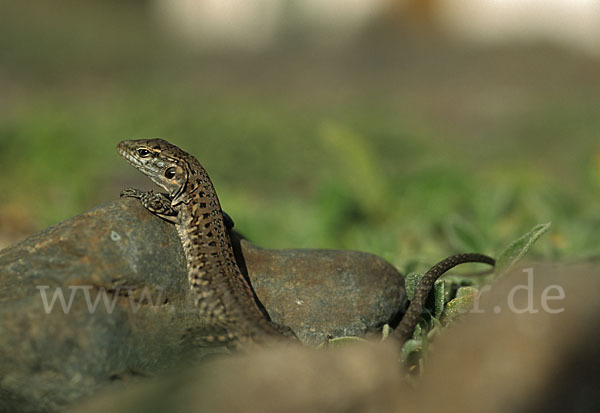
[(221, 293)]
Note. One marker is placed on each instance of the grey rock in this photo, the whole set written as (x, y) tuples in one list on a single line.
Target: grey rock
[(120, 255), (325, 293)]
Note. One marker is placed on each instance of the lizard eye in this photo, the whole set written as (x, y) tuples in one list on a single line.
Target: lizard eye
[(143, 153), (170, 173)]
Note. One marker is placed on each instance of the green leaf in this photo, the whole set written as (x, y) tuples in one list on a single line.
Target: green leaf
[(462, 304), (439, 298), (464, 235), (410, 347), (466, 291), (411, 282), (418, 332), (515, 251)]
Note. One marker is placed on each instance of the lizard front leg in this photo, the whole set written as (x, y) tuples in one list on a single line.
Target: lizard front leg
[(158, 204)]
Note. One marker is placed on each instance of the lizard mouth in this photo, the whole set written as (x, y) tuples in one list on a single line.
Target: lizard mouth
[(133, 160), (129, 158), (144, 167)]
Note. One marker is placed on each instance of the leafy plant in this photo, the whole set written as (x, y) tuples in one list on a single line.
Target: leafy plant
[(444, 307)]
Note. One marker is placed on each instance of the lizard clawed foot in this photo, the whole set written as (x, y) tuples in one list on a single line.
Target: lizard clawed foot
[(131, 193), (159, 204)]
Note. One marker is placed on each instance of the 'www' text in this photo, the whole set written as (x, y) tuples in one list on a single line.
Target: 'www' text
[(108, 298)]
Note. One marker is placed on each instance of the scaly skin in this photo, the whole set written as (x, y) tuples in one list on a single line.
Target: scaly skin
[(221, 293)]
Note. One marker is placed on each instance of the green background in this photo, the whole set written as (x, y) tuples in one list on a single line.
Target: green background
[(409, 146)]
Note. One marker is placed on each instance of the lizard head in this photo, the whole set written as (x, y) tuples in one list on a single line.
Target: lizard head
[(160, 160)]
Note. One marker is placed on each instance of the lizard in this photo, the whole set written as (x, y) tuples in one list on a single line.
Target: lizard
[(222, 294)]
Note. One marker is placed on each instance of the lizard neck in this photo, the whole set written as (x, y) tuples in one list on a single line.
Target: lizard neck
[(202, 228)]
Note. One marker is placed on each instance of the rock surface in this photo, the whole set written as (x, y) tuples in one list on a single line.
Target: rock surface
[(321, 293), (126, 310)]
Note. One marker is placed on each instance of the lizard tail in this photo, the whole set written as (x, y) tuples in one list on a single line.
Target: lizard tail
[(408, 323)]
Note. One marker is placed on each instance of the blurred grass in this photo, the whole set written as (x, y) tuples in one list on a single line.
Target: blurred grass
[(412, 153)]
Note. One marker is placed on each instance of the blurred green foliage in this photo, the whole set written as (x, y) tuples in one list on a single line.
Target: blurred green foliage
[(412, 150)]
